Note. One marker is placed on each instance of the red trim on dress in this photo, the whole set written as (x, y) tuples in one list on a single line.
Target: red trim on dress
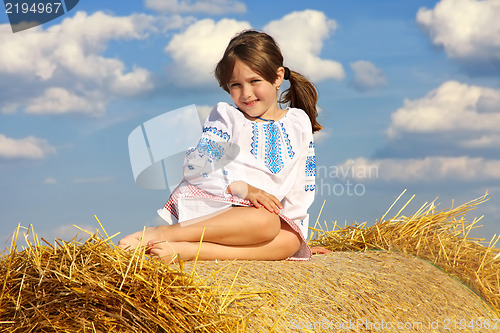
[(191, 191)]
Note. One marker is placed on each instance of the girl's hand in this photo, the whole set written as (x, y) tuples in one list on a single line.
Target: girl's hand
[(257, 197)]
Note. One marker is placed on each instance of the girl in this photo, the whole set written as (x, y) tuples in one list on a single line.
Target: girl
[(250, 180)]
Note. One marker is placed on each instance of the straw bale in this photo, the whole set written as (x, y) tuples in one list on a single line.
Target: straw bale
[(439, 236), (96, 287), (93, 286), (349, 291)]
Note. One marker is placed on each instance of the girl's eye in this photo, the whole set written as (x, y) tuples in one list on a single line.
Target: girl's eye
[(235, 85)]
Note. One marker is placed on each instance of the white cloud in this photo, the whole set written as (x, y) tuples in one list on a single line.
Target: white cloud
[(26, 54), (453, 107), (197, 6), (484, 141), (197, 50), (325, 133), (9, 108), (27, 148), (466, 29), (132, 83), (300, 36), (489, 101), (69, 55), (59, 100), (451, 134), (322, 135), (49, 181), (367, 76), (436, 168), (73, 45)]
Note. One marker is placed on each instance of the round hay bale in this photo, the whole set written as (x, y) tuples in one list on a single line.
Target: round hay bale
[(96, 287), (348, 291)]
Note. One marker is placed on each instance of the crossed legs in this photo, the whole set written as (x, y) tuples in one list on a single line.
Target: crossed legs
[(245, 233)]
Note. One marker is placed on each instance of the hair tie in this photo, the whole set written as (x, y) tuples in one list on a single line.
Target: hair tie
[(287, 73)]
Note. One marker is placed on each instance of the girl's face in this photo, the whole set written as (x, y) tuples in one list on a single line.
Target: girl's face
[(252, 94)]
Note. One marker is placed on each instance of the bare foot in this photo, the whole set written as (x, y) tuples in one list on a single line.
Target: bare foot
[(171, 251), (143, 237)]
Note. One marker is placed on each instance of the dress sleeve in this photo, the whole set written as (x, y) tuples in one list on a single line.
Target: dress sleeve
[(301, 196), (205, 164)]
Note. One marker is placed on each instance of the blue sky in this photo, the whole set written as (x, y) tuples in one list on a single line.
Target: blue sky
[(409, 98)]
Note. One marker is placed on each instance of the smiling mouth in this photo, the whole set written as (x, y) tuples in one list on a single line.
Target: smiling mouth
[(251, 103)]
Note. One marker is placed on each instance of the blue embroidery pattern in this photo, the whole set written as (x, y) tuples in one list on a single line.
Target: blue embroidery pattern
[(273, 159), (311, 166), (291, 153), (210, 148), (310, 187), (220, 133), (255, 139), (311, 144)]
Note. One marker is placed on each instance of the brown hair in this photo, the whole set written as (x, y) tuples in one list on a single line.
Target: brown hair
[(260, 52)]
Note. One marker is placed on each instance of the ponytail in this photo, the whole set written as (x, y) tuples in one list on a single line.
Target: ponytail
[(302, 95)]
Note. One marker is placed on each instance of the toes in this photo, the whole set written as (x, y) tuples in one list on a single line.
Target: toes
[(153, 242), (163, 250)]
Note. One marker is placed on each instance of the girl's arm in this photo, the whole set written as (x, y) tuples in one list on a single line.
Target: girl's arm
[(301, 196), (204, 165), (256, 196)]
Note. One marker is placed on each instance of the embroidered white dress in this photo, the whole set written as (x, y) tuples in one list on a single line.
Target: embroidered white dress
[(274, 156)]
